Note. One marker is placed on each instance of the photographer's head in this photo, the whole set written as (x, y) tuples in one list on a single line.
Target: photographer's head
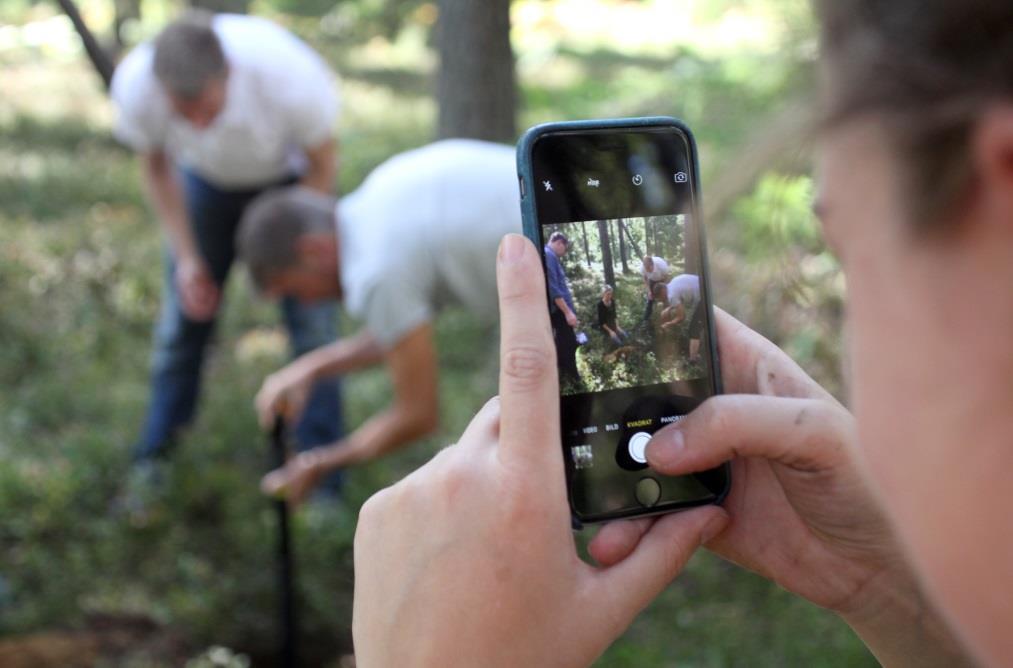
[(559, 243), (916, 197), (288, 240), (191, 66)]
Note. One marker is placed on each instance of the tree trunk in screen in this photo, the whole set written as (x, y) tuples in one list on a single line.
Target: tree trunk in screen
[(475, 87), (606, 252), (587, 249)]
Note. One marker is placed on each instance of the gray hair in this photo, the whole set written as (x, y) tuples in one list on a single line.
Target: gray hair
[(188, 55), (272, 225)]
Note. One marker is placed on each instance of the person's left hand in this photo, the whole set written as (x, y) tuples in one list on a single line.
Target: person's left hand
[(301, 474), (470, 560)]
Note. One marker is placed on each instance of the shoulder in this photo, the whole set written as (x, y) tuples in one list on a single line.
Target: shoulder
[(134, 78), (473, 154), (258, 44)]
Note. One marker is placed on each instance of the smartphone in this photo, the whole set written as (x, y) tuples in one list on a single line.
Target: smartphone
[(614, 205)]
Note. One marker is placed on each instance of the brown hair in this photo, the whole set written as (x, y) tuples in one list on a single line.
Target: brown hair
[(272, 225), (928, 69), (188, 55)]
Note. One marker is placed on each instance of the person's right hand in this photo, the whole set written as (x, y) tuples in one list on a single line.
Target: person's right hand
[(283, 393), (802, 514), (571, 319), (198, 291)]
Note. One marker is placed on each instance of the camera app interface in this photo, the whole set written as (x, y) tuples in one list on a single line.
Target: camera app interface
[(623, 261)]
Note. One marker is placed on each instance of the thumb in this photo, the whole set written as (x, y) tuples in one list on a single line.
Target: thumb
[(804, 434), (660, 555)]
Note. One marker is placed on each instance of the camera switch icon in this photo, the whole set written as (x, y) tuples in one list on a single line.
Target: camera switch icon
[(681, 177), (638, 179)]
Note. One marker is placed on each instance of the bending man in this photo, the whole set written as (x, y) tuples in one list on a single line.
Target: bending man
[(420, 232)]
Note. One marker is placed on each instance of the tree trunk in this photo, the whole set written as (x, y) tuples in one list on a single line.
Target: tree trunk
[(587, 249), (633, 242), (476, 89), (622, 248), (606, 252), (101, 61)]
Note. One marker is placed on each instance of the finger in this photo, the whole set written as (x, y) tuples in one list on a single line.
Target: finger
[(616, 540), (660, 555), (751, 364), (528, 387), (484, 427), (806, 434)]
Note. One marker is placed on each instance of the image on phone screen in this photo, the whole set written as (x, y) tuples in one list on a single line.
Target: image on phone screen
[(628, 301)]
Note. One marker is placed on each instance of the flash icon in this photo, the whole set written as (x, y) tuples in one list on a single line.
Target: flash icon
[(548, 186)]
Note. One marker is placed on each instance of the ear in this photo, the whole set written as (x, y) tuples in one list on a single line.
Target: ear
[(316, 249), (992, 144)]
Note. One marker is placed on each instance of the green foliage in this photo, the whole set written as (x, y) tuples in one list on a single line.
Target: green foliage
[(778, 215)]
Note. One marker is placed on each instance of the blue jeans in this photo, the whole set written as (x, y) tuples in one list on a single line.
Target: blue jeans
[(180, 342)]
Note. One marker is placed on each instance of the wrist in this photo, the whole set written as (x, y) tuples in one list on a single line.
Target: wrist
[(902, 628)]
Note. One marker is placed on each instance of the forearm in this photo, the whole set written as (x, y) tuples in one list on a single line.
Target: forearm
[(167, 199), (322, 171), (563, 306), (380, 435), (342, 356), (903, 629)]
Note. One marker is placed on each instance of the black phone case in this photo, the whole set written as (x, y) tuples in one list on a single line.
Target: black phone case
[(525, 172)]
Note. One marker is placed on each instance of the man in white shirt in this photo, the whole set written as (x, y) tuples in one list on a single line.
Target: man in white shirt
[(653, 270), (220, 109), (436, 214), (681, 299)]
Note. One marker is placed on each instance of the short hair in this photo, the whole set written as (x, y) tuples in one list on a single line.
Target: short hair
[(558, 236), (606, 289), (272, 225), (188, 54), (658, 290)]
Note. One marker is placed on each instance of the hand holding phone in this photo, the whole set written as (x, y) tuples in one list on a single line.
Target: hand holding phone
[(470, 560), (614, 207)]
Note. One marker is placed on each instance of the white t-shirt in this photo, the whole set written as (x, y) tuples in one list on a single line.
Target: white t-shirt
[(422, 232), (660, 270), (684, 289), (281, 97)]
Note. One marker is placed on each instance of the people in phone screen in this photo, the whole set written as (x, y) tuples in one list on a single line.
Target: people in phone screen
[(607, 318), (562, 311), (681, 316), (654, 270), (634, 348)]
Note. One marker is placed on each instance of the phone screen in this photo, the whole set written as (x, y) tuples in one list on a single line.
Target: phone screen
[(625, 270)]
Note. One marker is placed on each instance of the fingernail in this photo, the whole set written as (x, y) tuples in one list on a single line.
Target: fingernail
[(714, 527), (665, 449), (511, 249)]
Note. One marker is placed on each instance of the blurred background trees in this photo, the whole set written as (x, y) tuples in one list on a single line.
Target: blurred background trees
[(79, 285)]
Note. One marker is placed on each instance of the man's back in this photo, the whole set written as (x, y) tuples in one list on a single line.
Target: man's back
[(422, 231)]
